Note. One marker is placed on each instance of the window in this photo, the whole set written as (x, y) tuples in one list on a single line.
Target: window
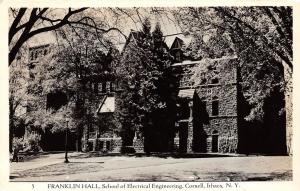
[(100, 86), (117, 85), (185, 110), (101, 145), (215, 81), (108, 87), (96, 87), (215, 107), (178, 56), (215, 141), (108, 145), (31, 56), (112, 86), (56, 100), (104, 87)]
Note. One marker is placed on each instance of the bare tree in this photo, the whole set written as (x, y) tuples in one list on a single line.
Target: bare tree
[(27, 23)]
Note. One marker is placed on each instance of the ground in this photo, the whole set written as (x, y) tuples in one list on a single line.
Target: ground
[(86, 167)]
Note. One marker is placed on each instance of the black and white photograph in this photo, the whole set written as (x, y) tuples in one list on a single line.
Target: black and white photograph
[(150, 94)]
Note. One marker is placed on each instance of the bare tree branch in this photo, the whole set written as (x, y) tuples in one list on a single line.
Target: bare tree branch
[(13, 28), (29, 30)]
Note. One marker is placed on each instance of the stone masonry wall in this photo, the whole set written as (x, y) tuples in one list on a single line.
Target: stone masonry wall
[(226, 128), (224, 125)]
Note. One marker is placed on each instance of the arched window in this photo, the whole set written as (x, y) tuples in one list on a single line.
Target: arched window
[(215, 106)]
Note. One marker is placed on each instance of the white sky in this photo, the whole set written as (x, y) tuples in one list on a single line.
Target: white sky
[(125, 24)]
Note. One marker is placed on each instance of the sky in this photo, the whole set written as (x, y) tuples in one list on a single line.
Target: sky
[(128, 20)]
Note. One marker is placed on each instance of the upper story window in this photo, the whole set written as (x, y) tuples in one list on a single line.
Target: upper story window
[(108, 87), (112, 86), (38, 52), (104, 87), (96, 87), (178, 56), (215, 81), (215, 106), (56, 100), (32, 56)]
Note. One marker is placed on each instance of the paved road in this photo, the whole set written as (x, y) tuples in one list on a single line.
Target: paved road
[(123, 168)]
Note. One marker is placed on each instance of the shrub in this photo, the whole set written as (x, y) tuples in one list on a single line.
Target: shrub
[(32, 142), (18, 143)]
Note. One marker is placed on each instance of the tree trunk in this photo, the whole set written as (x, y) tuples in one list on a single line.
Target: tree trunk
[(288, 107)]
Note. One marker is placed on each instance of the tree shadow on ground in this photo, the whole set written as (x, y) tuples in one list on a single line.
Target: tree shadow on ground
[(242, 176)]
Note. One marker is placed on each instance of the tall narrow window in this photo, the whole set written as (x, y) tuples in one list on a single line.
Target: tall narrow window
[(100, 87), (112, 86), (178, 56), (108, 87), (215, 141), (31, 56), (117, 85), (215, 107), (96, 87), (104, 87)]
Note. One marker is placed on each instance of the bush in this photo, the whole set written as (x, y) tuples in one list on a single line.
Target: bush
[(32, 142), (18, 143)]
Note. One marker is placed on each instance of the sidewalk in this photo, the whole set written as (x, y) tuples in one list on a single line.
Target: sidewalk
[(83, 167), (42, 160)]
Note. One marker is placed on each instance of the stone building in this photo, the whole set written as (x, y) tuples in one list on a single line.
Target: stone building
[(207, 112), (211, 110), (209, 119)]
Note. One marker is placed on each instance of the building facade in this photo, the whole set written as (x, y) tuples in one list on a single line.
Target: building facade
[(209, 119), (207, 112), (210, 107)]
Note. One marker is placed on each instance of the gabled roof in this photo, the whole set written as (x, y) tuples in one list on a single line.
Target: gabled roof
[(107, 105), (136, 35), (170, 39), (177, 44), (133, 36)]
